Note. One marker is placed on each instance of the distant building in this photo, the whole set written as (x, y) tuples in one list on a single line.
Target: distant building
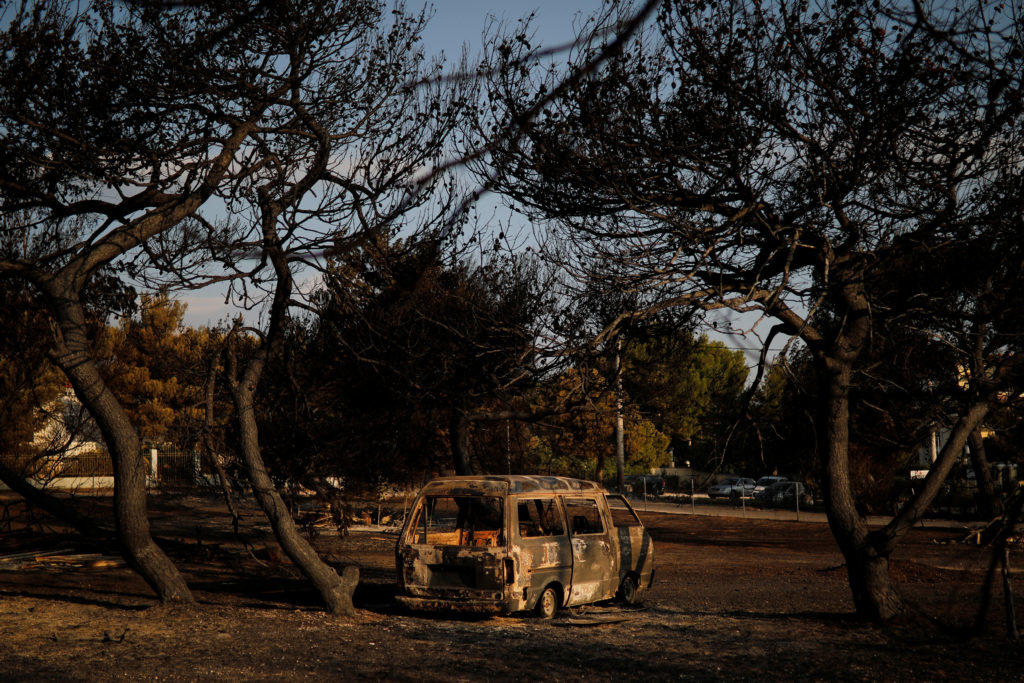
[(67, 430)]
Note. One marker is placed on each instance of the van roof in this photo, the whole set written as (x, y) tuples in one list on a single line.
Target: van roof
[(508, 483)]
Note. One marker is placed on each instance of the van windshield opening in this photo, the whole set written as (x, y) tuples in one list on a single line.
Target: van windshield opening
[(460, 520)]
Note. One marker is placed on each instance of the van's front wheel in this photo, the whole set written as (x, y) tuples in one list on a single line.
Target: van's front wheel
[(547, 603)]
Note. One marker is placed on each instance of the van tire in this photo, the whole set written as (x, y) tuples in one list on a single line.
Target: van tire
[(547, 603), (628, 591)]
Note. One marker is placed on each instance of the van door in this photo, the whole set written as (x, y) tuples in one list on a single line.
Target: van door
[(545, 555), (635, 549), (594, 567)]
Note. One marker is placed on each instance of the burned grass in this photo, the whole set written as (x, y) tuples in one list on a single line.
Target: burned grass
[(769, 601)]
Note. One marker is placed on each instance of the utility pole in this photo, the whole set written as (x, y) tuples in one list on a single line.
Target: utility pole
[(620, 437)]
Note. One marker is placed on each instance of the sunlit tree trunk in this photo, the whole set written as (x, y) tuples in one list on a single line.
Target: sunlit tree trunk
[(73, 357)]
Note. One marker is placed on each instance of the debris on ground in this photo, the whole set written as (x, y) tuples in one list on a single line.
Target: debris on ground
[(57, 558), (594, 620)]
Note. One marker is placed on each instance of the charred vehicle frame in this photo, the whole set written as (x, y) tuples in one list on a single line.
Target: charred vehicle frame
[(502, 544)]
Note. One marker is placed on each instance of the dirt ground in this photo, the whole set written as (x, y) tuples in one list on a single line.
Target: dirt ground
[(733, 599)]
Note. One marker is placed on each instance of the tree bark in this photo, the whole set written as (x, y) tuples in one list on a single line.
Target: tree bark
[(620, 437), (458, 434), (970, 418), (206, 443), (988, 503), (225, 485), (336, 590), (1004, 527), (72, 355), (874, 596), (867, 553), (1011, 614), (599, 467)]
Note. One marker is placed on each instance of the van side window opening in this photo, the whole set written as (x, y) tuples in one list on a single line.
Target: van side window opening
[(584, 515), (623, 514), (539, 517), (460, 520)]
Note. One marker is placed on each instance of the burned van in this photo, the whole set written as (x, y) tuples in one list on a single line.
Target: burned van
[(505, 544)]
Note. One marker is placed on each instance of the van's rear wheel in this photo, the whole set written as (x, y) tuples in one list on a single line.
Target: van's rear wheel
[(628, 590), (547, 603)]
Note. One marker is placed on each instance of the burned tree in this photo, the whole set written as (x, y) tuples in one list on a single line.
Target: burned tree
[(430, 340), (98, 160), (129, 131), (788, 161), (341, 156)]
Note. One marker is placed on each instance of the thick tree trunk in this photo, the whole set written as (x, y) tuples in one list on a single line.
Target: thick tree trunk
[(988, 502), (130, 468), (336, 590), (874, 596)]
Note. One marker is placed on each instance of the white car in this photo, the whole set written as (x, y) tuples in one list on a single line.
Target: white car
[(733, 486)]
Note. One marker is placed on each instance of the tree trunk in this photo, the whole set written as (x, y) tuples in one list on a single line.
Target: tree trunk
[(130, 468), (225, 486), (458, 434), (206, 443), (988, 503), (1012, 631), (874, 596), (336, 590), (970, 418), (620, 437)]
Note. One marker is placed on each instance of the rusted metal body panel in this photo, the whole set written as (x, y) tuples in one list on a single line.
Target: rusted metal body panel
[(594, 565), (554, 531), (634, 549), (542, 553)]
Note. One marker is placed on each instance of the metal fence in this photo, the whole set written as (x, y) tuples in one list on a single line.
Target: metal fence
[(172, 467), (94, 464), (168, 467)]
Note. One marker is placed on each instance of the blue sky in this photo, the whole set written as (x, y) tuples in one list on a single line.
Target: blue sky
[(456, 23)]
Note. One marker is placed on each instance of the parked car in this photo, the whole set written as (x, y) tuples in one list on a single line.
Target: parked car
[(783, 494), (765, 482), (507, 543), (652, 484), (731, 487)]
